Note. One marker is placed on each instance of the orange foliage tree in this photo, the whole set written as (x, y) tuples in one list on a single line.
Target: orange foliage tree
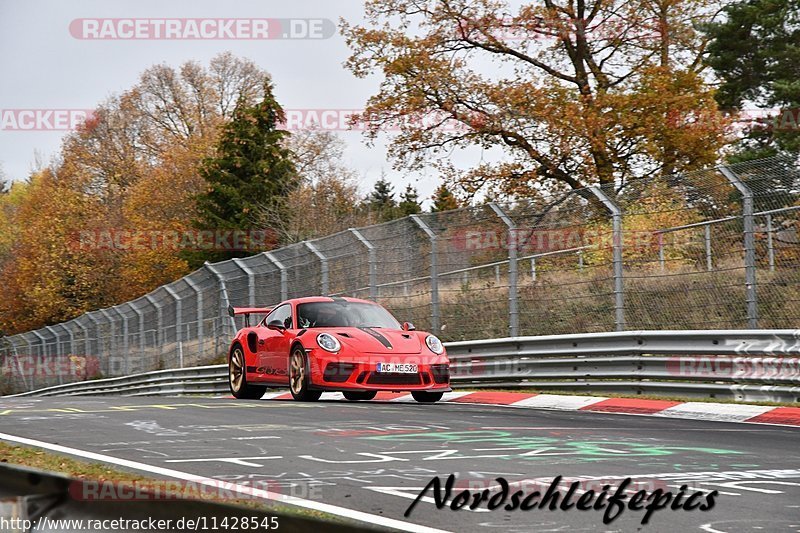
[(557, 93)]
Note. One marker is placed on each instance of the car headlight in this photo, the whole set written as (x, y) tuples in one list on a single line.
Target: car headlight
[(328, 342), (434, 344)]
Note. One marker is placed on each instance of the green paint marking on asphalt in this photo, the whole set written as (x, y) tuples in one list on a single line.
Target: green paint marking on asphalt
[(587, 449)]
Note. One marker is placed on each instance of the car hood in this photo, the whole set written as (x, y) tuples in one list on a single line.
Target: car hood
[(377, 340)]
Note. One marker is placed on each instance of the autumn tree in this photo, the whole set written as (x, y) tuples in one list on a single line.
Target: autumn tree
[(132, 167), (443, 199), (52, 277), (326, 200), (562, 94), (754, 52), (252, 168)]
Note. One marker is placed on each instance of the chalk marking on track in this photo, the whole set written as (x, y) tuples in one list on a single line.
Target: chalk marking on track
[(242, 489)]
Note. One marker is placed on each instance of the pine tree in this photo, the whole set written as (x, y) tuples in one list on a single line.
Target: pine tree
[(381, 200), (409, 203), (443, 199), (251, 170), (754, 53)]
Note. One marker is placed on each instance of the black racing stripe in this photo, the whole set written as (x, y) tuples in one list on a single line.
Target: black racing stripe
[(380, 338)]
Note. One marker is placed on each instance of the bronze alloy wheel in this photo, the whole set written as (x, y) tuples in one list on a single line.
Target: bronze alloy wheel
[(238, 380), (299, 379)]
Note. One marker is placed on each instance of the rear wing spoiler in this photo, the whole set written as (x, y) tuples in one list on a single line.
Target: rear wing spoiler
[(247, 311)]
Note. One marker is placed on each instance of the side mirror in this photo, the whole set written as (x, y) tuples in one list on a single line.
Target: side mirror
[(408, 326), (276, 325)]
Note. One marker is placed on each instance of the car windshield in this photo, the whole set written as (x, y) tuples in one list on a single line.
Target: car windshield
[(344, 314)]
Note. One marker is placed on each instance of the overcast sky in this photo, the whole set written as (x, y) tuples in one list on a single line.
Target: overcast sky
[(44, 66)]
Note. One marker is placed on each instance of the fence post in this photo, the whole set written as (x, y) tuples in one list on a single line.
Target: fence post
[(435, 317), (199, 298), (616, 218), (323, 266), (707, 238), (373, 263), (41, 352), (251, 281), (749, 245), (9, 340), (178, 322), (59, 355), (126, 351), (225, 301), (661, 250), (96, 323), (71, 336), (140, 315), (284, 280), (770, 244), (513, 309), (85, 330), (112, 342), (159, 333)]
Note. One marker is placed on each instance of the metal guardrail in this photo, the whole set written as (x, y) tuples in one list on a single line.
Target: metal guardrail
[(746, 365)]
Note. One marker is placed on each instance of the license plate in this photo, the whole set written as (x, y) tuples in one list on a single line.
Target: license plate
[(397, 368)]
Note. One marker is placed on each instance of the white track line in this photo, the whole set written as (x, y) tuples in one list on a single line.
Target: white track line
[(235, 487)]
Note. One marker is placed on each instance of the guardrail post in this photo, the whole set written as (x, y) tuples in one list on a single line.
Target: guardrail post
[(770, 244), (284, 279), (749, 245), (323, 266), (373, 263), (616, 245), (199, 298), (159, 333), (251, 281), (178, 322), (435, 317), (513, 309)]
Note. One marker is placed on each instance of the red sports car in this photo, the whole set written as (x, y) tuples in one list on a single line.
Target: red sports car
[(321, 344)]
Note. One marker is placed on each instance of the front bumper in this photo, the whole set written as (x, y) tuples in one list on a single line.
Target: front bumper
[(349, 371)]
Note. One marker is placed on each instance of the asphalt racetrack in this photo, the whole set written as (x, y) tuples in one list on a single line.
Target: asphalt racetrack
[(376, 457)]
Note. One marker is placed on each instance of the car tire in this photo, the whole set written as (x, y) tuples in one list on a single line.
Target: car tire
[(427, 397), (300, 377), (355, 396), (237, 378)]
